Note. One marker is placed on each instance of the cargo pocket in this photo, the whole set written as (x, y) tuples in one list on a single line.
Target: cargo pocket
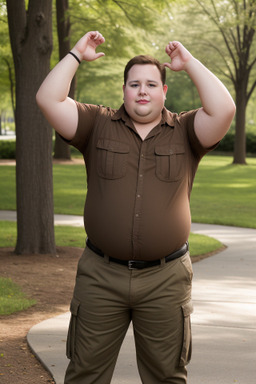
[(186, 351), (111, 158), (70, 348), (170, 162)]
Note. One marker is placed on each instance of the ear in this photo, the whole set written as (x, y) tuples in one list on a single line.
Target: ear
[(165, 89)]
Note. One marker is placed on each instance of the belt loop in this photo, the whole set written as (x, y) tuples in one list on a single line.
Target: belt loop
[(106, 259), (163, 262)]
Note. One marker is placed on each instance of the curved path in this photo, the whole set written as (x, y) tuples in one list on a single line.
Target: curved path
[(223, 323)]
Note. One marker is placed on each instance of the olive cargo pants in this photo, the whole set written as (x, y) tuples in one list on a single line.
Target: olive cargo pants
[(107, 297)]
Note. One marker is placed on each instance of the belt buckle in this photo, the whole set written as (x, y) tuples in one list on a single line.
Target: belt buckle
[(131, 264)]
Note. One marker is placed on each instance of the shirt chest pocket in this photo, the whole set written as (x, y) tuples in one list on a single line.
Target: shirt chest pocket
[(111, 158), (170, 162)]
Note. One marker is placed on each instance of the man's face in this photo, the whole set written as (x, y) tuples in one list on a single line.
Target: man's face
[(144, 93)]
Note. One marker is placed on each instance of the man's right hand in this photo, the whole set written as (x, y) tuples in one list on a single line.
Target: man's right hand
[(85, 48), (52, 96)]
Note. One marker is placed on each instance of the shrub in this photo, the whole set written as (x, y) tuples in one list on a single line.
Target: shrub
[(227, 143), (7, 149)]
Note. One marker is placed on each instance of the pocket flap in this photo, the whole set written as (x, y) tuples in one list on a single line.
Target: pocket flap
[(166, 150), (74, 306), (113, 146), (187, 308)]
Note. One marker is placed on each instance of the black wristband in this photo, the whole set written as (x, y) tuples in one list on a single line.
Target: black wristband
[(75, 56)]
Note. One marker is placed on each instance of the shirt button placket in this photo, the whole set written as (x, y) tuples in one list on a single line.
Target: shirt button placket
[(138, 201)]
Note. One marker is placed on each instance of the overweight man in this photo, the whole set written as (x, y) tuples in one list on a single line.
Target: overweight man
[(141, 161)]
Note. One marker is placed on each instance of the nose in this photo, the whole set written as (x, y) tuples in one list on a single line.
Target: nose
[(142, 90)]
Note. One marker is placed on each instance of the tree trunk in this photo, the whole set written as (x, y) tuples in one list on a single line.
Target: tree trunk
[(62, 149), (240, 134), (31, 41)]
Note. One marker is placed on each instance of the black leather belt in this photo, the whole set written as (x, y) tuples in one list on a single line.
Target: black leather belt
[(140, 264)]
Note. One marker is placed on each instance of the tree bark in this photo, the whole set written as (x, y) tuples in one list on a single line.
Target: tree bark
[(240, 130), (31, 41), (62, 149)]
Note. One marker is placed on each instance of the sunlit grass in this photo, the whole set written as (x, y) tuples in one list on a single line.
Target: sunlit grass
[(224, 193), (12, 299)]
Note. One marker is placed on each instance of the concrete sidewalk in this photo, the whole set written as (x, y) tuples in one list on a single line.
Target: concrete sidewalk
[(72, 220), (223, 323)]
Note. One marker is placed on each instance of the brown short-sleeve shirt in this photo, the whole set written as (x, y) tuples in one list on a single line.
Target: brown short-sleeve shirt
[(137, 204)]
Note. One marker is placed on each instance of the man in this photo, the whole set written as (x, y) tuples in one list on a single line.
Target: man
[(141, 161)]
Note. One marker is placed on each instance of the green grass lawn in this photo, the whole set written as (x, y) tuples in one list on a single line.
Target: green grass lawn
[(69, 189), (224, 193), (12, 299)]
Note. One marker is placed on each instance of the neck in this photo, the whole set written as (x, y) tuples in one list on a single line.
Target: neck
[(143, 129)]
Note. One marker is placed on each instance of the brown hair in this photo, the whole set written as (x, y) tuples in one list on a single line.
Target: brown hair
[(145, 59)]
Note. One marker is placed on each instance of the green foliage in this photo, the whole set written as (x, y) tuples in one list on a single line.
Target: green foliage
[(12, 299), (7, 149), (6, 62), (250, 142), (182, 94), (227, 143)]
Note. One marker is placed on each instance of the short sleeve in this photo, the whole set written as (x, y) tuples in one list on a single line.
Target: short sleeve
[(86, 119), (188, 119)]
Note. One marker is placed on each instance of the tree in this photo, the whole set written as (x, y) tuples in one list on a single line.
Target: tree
[(31, 43), (235, 20), (61, 148)]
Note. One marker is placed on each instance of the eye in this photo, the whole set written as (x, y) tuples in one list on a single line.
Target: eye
[(152, 85), (134, 85)]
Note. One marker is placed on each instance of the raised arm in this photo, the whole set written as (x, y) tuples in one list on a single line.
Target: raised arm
[(213, 120), (52, 96)]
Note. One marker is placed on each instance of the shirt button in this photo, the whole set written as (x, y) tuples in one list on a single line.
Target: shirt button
[(171, 152), (137, 215), (138, 195)]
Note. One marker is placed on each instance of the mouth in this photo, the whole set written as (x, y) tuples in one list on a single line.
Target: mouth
[(142, 101)]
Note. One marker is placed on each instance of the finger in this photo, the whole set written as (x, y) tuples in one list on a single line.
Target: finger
[(100, 54), (167, 50), (172, 45), (168, 65), (98, 36), (95, 35)]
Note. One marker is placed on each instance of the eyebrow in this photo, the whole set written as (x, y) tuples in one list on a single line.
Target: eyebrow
[(138, 81)]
